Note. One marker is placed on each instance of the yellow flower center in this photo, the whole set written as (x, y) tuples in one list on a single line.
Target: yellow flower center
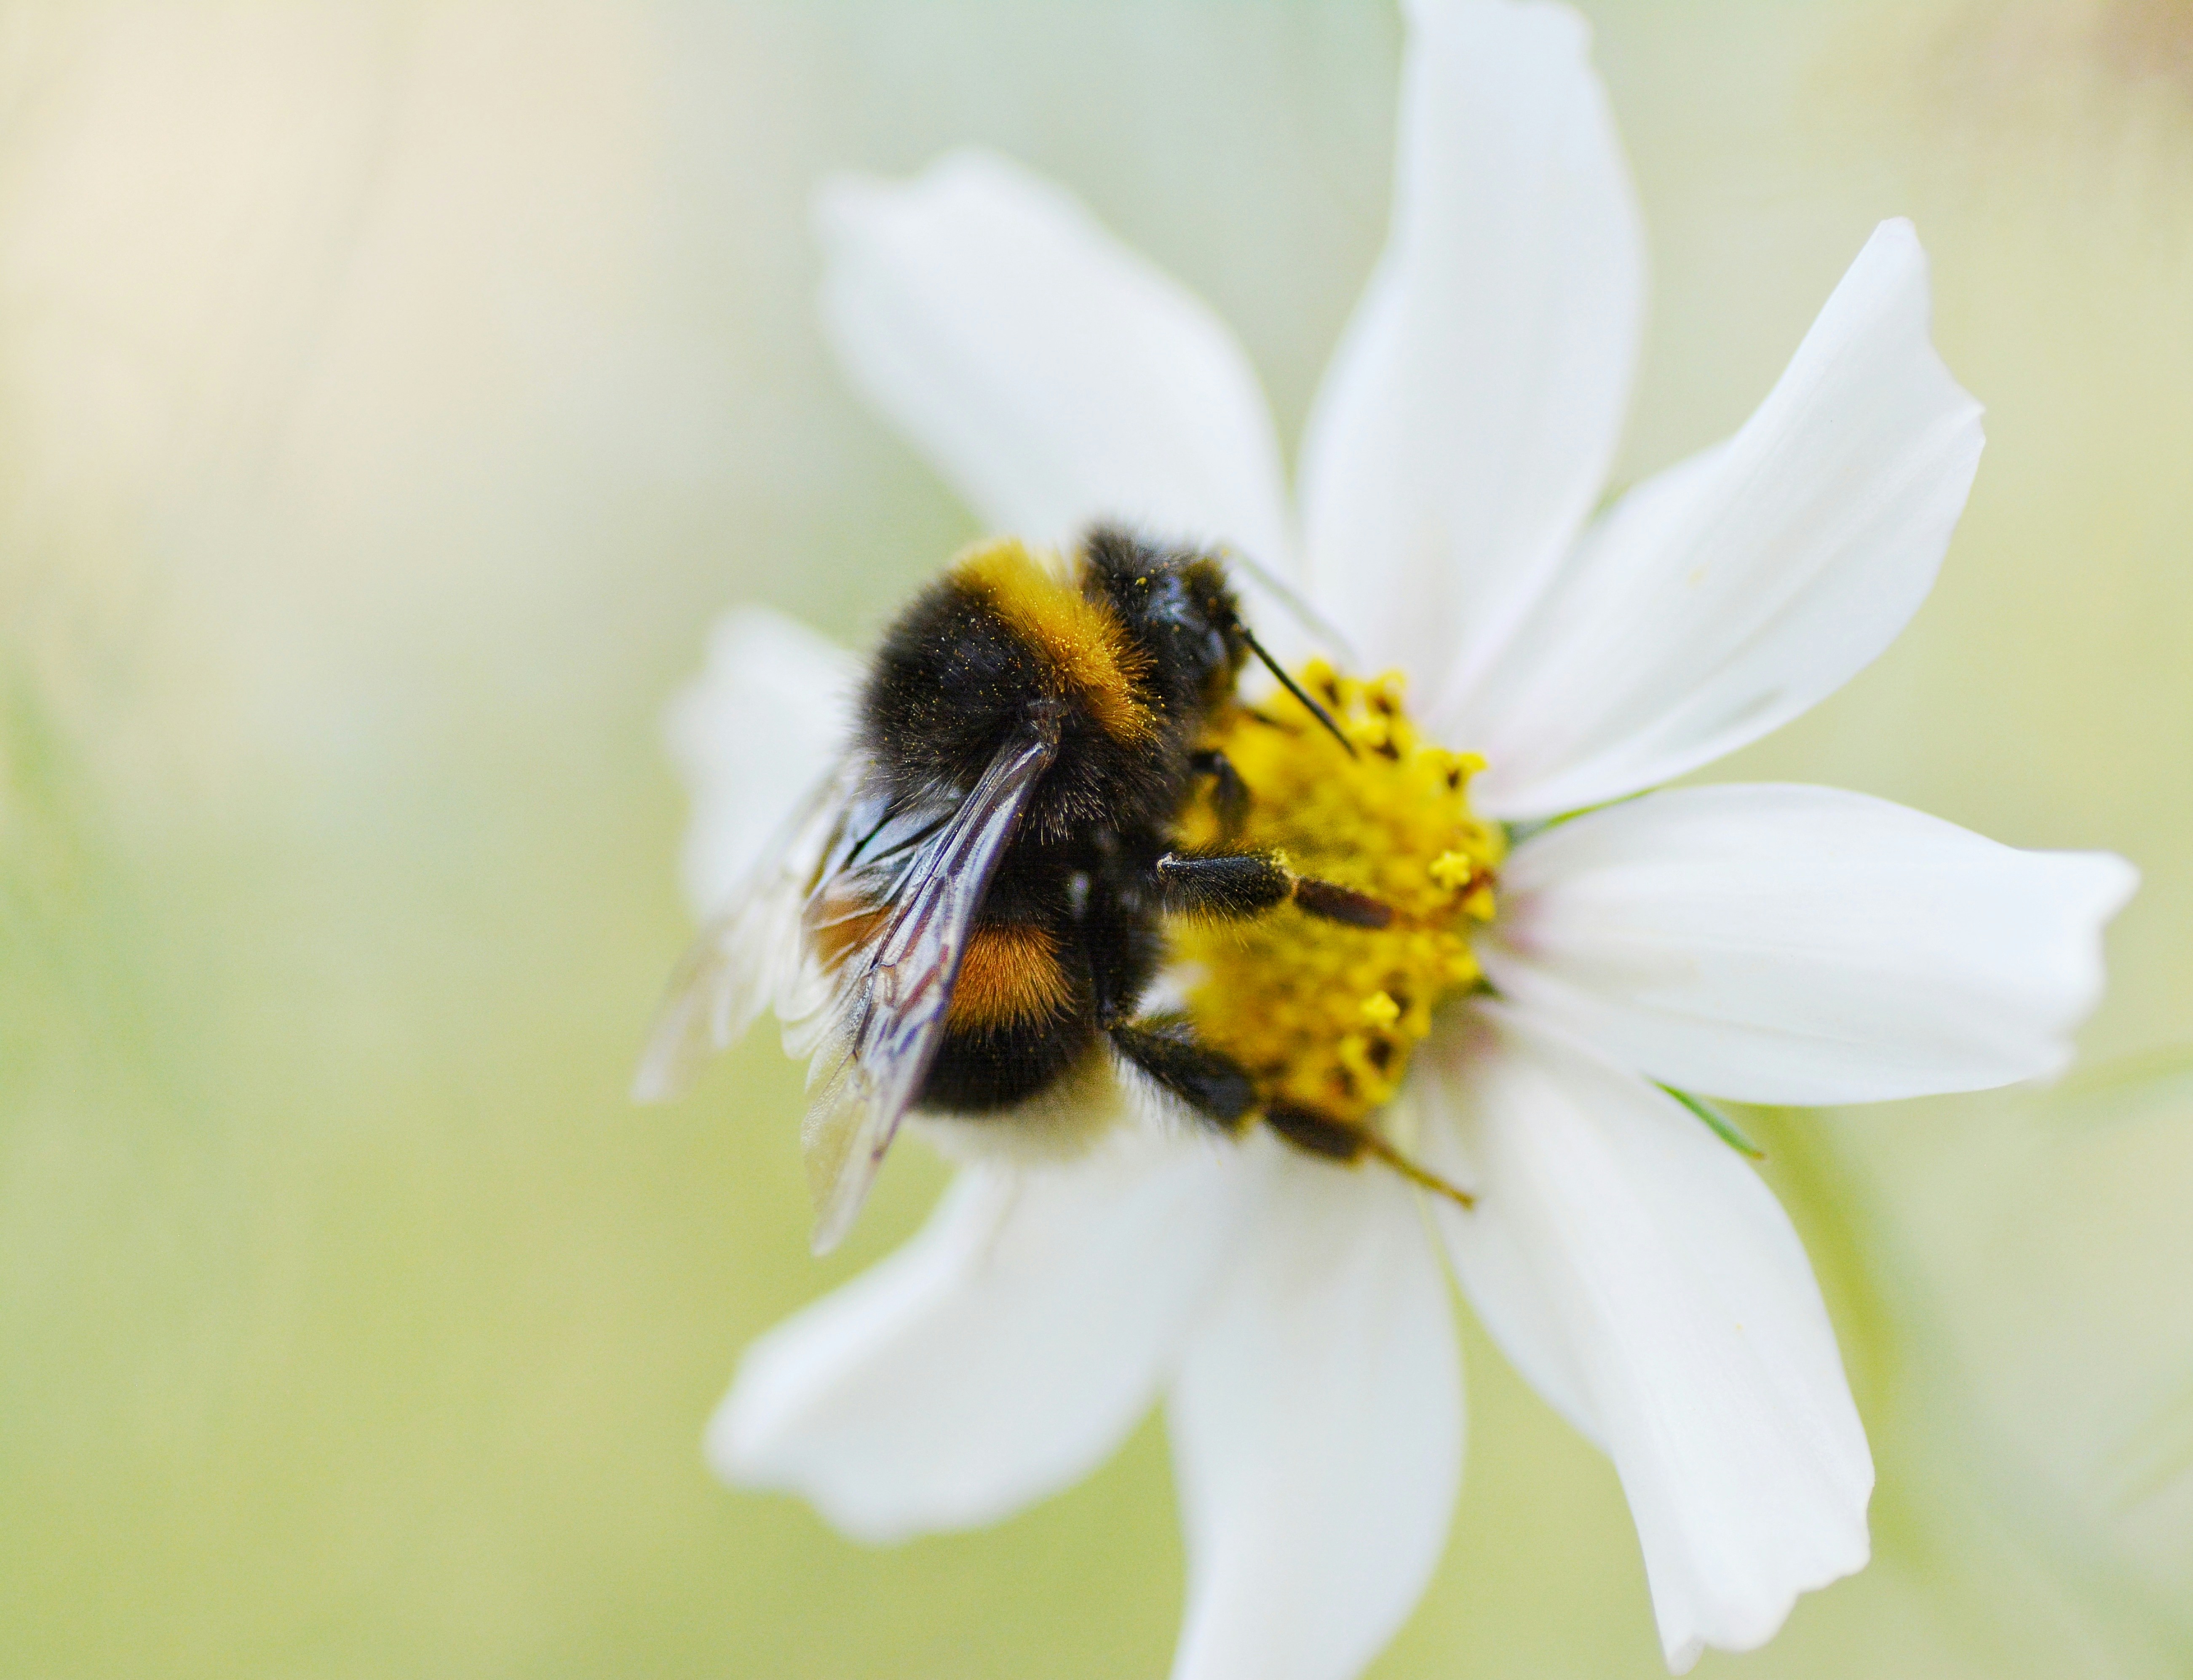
[(1323, 1016)]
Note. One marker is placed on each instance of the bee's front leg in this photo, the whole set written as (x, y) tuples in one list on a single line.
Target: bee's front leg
[(1229, 794)]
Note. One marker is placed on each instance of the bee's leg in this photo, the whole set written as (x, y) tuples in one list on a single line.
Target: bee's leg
[(1229, 794), (1316, 1133), (1121, 948), (1241, 884), (1165, 1048), (1217, 1089)]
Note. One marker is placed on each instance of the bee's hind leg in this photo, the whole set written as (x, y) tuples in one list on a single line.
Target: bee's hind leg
[(1315, 1134), (1208, 1081), (1236, 885), (1216, 1089)]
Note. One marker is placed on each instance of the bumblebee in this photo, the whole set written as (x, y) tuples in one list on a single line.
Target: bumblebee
[(973, 904)]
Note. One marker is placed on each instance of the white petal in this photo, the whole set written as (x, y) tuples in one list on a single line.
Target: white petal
[(1514, 1303), (1669, 1285), (1804, 945), (1317, 1430), (998, 1358), (1717, 602), (755, 732), (1467, 422), (1048, 373)]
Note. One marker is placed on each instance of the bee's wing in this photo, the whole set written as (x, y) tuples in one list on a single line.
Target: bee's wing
[(750, 953), (892, 992)]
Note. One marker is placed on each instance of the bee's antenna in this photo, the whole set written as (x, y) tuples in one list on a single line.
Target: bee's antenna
[(1303, 614), (1296, 689)]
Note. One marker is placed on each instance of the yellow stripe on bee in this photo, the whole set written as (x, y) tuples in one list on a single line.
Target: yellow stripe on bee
[(1080, 640)]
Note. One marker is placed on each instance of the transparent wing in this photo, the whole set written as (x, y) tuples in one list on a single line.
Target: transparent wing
[(899, 902), (750, 954)]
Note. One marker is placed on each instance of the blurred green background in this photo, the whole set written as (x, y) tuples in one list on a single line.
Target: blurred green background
[(390, 393)]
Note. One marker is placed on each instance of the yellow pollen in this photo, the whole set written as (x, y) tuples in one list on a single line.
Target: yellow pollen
[(1324, 1014), (1453, 868)]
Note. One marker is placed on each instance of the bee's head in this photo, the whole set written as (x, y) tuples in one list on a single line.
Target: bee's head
[(1177, 608)]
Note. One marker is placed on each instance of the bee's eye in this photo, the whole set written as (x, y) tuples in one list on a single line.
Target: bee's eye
[(1214, 649)]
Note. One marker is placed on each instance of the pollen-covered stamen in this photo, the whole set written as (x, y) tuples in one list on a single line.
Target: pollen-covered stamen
[(1323, 1013)]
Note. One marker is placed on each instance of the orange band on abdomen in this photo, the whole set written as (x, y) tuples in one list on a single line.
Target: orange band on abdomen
[(1010, 973)]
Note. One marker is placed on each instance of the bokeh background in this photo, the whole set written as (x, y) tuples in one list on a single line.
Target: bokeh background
[(390, 393)]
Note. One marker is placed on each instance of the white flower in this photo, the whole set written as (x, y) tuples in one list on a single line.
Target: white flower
[(1762, 944)]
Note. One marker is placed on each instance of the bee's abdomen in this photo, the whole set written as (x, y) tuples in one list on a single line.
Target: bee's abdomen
[(1020, 1018), (1011, 973)]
